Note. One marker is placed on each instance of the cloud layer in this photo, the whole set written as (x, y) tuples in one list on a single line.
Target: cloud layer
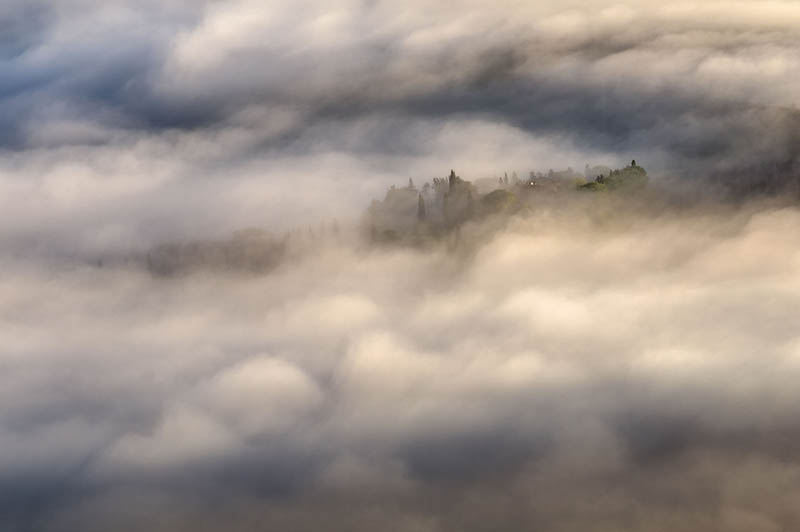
[(120, 121), (605, 364), (572, 371)]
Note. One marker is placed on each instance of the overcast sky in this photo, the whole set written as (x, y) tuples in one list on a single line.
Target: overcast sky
[(597, 366)]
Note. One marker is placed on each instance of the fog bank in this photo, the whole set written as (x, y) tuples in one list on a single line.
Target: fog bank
[(566, 371)]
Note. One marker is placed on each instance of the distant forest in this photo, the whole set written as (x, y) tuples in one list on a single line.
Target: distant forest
[(446, 203), (407, 215)]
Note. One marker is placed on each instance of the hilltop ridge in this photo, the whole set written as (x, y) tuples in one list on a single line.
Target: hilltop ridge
[(445, 203)]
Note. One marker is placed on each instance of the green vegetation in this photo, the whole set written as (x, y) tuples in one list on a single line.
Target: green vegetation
[(629, 178), (442, 206), (594, 186), (500, 200)]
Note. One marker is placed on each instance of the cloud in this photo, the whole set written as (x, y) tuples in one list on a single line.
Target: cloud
[(566, 374), (600, 363), (124, 127), (640, 77)]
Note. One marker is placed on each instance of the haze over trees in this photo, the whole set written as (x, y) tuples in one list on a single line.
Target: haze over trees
[(406, 214), (446, 203)]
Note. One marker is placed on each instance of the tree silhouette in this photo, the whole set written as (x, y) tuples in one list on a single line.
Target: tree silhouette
[(421, 215)]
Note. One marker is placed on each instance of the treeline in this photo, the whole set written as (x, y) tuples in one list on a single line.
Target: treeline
[(445, 203), (253, 251), (407, 214)]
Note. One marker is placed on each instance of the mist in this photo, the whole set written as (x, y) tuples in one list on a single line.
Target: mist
[(361, 266), (608, 366)]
